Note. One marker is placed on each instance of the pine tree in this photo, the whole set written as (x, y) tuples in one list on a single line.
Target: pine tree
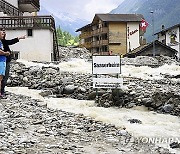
[(66, 39)]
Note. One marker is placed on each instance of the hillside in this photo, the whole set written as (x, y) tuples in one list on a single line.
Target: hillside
[(66, 21), (166, 12)]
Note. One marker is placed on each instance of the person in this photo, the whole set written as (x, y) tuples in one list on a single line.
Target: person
[(3, 55), (110, 53), (6, 44)]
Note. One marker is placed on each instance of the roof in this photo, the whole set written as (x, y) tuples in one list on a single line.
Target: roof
[(86, 26), (143, 48), (115, 18), (164, 30), (120, 17)]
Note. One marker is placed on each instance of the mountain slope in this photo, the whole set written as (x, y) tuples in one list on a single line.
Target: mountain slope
[(66, 21), (128, 6), (166, 12)]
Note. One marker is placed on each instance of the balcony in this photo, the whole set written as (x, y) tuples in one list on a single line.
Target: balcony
[(28, 22), (103, 42), (100, 31), (85, 35), (99, 43), (86, 45), (9, 9), (29, 5)]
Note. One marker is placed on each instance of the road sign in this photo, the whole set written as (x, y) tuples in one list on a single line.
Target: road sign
[(106, 64), (110, 83)]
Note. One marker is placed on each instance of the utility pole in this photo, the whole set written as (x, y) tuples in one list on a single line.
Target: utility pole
[(154, 52)]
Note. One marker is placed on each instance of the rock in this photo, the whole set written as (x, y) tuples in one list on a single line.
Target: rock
[(81, 89), (123, 132), (147, 102), (93, 94), (175, 145), (25, 79), (66, 80), (42, 104), (69, 89), (135, 121), (1, 128), (42, 129), (1, 107), (50, 71), (80, 97), (34, 69), (168, 108), (45, 93), (118, 93)]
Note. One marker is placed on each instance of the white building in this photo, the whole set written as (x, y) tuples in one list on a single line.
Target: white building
[(19, 18), (171, 37)]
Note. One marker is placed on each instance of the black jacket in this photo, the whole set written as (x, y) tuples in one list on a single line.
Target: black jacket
[(6, 44)]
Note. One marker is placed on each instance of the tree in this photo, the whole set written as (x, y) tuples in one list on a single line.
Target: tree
[(66, 39)]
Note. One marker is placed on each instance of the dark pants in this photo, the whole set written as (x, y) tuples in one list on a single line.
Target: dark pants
[(5, 78)]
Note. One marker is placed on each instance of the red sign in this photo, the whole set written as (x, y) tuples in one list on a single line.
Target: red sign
[(143, 25)]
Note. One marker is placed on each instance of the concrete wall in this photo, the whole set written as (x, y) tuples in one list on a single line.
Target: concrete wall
[(132, 35), (34, 48), (117, 38)]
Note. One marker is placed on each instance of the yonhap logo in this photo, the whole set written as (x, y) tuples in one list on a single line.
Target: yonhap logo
[(126, 140)]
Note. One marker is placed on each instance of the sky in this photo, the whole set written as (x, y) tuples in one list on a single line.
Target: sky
[(83, 9)]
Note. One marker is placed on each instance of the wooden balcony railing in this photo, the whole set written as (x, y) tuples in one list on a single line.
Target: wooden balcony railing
[(24, 22), (33, 22), (85, 35), (95, 43), (99, 43), (9, 9), (24, 5), (103, 42), (85, 44), (100, 31)]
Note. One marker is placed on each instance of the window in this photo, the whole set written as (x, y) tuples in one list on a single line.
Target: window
[(29, 32), (173, 38)]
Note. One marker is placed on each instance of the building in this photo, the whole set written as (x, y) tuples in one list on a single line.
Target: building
[(116, 33), (19, 17), (170, 37), (147, 50)]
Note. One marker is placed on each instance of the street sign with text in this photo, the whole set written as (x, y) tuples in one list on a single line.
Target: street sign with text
[(106, 65)]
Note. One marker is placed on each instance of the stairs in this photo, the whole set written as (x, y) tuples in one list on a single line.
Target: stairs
[(9, 9)]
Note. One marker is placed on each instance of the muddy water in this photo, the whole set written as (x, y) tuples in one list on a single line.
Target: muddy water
[(153, 125)]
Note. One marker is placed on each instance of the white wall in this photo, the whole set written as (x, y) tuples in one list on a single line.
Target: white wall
[(13, 2), (176, 46), (133, 37), (34, 48), (161, 37), (2, 14), (27, 14)]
